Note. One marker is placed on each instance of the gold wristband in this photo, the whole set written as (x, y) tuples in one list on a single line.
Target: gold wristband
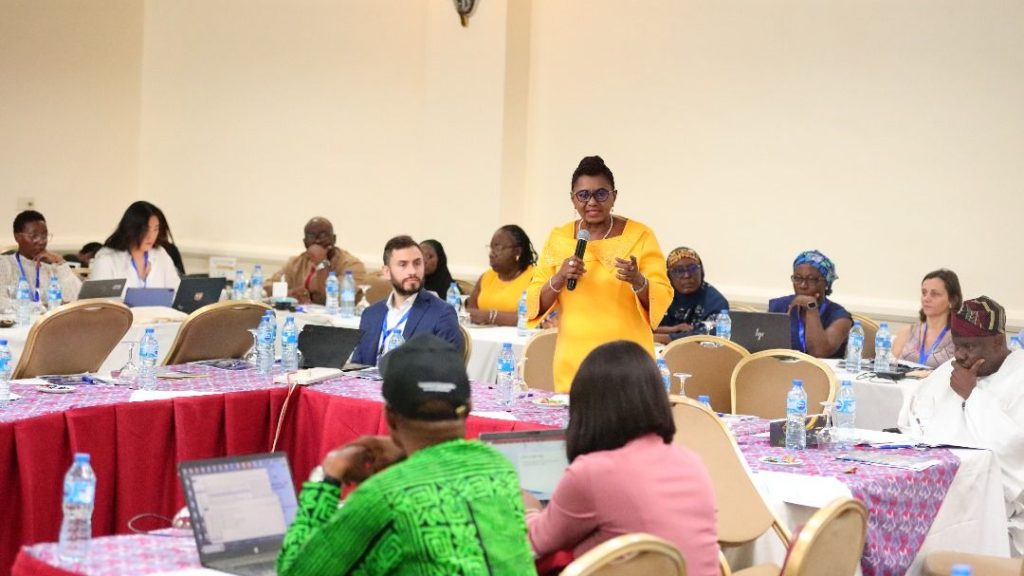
[(552, 286), (642, 286)]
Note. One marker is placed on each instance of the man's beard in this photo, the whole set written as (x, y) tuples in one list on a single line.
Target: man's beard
[(405, 292)]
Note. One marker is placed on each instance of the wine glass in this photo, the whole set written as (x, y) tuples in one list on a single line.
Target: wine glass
[(709, 324), (365, 302), (682, 376), (922, 408), (128, 374), (829, 436), (252, 356), (463, 311)]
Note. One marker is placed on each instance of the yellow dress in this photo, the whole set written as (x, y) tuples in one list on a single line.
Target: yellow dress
[(602, 308), (497, 294)]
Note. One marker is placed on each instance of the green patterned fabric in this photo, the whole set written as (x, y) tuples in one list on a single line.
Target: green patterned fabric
[(452, 508)]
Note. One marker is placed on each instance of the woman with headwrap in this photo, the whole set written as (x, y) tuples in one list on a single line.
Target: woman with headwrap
[(818, 326), (436, 278), (694, 300)]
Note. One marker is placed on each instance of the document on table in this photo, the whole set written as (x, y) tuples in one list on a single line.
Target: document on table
[(890, 460), (494, 414), (147, 395), (800, 489)]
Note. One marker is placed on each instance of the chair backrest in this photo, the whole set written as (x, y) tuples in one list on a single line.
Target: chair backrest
[(743, 515), (218, 330), (538, 363), (465, 286), (635, 554), (709, 360), (761, 381), (467, 344), (870, 330), (74, 338), (831, 542)]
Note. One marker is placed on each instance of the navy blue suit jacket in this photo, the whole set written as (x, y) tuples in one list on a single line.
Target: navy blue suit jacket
[(429, 315)]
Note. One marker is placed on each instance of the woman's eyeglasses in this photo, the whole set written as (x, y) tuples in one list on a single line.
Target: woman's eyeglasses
[(809, 280), (683, 271), (601, 194)]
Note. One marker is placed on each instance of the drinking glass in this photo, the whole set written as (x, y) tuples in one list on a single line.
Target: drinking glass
[(709, 324), (922, 408), (828, 435), (128, 374), (252, 356), (682, 376), (365, 302), (463, 311)]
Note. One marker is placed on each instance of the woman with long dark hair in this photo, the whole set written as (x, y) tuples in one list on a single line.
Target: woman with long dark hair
[(134, 251), (436, 278)]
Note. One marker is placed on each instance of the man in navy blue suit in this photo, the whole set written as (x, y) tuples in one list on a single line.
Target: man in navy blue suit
[(409, 310)]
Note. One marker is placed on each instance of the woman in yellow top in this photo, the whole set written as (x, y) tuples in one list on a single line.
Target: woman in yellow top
[(621, 286), (495, 299)]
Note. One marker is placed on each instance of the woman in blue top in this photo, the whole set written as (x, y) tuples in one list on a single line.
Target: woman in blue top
[(695, 300), (818, 326)]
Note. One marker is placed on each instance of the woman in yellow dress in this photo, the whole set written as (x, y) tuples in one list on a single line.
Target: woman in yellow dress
[(622, 289), (495, 299)]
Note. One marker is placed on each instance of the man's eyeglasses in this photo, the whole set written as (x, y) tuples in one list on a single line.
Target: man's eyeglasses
[(809, 280), (37, 237), (683, 271), (313, 236), (601, 194)]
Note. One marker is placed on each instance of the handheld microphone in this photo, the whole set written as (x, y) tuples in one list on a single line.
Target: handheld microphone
[(581, 246)]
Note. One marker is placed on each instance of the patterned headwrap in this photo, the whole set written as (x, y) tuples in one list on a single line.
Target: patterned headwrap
[(822, 264), (981, 316), (682, 252)]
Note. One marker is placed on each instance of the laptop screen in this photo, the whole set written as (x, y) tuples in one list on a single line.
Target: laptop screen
[(538, 456), (239, 505)]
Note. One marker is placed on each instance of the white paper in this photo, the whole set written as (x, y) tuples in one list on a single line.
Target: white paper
[(495, 415), (280, 289), (800, 489), (147, 395)]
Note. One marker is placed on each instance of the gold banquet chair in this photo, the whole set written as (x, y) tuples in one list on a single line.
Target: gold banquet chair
[(538, 363), (743, 515), (832, 541), (941, 564), (218, 330), (467, 344), (761, 381), (74, 338), (709, 360), (636, 554), (870, 330)]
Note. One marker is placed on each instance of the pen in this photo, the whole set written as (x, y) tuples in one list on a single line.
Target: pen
[(894, 446)]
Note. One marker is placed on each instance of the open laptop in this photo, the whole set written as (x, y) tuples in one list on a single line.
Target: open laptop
[(757, 331), (240, 509), (101, 289), (327, 346), (538, 456), (194, 293), (134, 297)]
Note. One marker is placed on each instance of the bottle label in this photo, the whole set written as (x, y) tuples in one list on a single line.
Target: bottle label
[(79, 492)]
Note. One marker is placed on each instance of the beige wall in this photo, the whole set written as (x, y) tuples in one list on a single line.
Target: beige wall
[(888, 135)]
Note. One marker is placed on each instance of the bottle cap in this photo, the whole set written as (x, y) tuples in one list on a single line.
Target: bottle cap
[(149, 330), (506, 346), (846, 383), (704, 399), (799, 383), (81, 458), (3, 342)]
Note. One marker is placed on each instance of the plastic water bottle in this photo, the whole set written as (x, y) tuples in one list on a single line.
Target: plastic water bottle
[(265, 345), (5, 383), (796, 417), (333, 290), (846, 415), (883, 348), (256, 283), (54, 298), (666, 376), (453, 299), (521, 327), (5, 357), (348, 295), (238, 288), (723, 325), (23, 303), (506, 375), (290, 345), (149, 350), (1015, 343), (79, 497), (854, 348), (705, 400), (960, 570)]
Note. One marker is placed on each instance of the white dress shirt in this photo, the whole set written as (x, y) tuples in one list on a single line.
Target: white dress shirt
[(110, 264)]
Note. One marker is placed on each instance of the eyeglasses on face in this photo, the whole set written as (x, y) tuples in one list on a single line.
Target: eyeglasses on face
[(601, 194), (809, 280), (683, 271), (313, 236), (38, 237)]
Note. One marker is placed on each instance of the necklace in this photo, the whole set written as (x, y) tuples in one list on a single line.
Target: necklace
[(610, 226)]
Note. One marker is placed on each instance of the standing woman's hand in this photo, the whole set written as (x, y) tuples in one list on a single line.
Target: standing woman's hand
[(572, 267), (628, 271)]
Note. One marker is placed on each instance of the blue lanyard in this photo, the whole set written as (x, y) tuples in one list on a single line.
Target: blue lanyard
[(35, 293), (802, 331), (145, 265), (922, 358), (385, 331)]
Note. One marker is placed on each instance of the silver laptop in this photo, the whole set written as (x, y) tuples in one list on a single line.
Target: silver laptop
[(757, 331), (101, 289), (240, 508), (537, 455)]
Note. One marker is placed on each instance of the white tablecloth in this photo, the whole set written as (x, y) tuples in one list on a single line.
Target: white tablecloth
[(878, 400)]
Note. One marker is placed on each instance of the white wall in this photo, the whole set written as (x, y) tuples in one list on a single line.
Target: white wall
[(888, 135)]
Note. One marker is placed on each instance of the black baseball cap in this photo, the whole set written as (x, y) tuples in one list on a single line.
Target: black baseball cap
[(425, 379)]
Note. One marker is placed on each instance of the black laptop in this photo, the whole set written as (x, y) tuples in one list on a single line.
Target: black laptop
[(195, 292), (240, 508), (101, 289), (327, 346), (757, 331)]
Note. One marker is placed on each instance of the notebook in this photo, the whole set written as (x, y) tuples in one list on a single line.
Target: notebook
[(757, 331), (148, 297), (194, 293), (327, 346), (101, 289), (537, 455), (240, 508)]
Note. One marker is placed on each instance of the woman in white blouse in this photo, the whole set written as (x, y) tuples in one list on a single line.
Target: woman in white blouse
[(132, 252)]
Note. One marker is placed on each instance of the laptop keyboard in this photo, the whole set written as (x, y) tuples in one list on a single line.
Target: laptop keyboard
[(260, 568)]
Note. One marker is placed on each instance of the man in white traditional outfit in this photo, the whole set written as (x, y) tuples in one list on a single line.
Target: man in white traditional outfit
[(978, 399)]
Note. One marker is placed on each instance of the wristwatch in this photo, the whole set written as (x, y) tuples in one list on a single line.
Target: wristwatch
[(318, 475), (812, 304)]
